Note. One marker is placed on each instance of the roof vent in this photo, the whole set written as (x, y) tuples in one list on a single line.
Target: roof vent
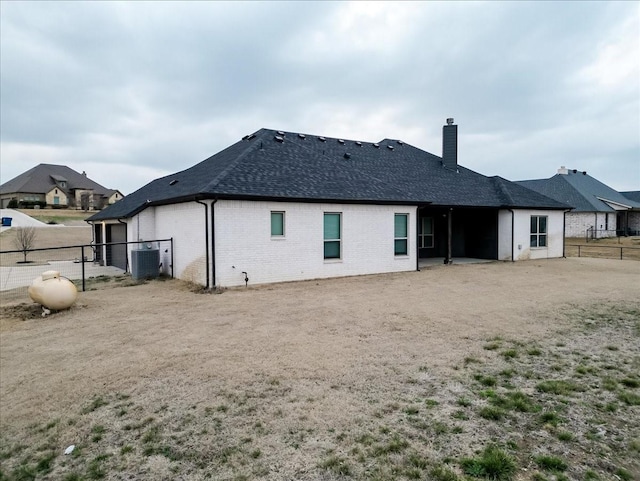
[(450, 121), (302, 136), (173, 182), (279, 139), (390, 147), (248, 137), (322, 139), (575, 171), (359, 144), (377, 146), (400, 142), (347, 155), (340, 141), (280, 133), (584, 173)]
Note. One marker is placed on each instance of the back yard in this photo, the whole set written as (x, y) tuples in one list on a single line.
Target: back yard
[(524, 371)]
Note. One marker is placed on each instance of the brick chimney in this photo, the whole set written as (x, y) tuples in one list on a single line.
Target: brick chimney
[(450, 145)]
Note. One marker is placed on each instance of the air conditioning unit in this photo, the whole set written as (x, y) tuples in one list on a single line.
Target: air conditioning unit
[(145, 263)]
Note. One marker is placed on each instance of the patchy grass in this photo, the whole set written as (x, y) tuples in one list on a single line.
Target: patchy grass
[(559, 412)]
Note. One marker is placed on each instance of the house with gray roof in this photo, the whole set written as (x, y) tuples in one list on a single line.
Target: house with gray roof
[(283, 206), (56, 186), (633, 195), (599, 211)]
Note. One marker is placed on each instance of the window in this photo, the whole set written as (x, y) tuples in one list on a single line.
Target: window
[(538, 231), (277, 224), (332, 230), (426, 233), (400, 235)]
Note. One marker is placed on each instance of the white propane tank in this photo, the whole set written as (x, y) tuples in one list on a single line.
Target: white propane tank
[(52, 291)]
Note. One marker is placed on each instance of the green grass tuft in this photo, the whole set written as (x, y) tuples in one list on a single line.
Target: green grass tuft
[(492, 413), (551, 463), (337, 465), (557, 386), (492, 463)]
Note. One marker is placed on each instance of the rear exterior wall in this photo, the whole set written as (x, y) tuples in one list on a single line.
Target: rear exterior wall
[(521, 222), (244, 242)]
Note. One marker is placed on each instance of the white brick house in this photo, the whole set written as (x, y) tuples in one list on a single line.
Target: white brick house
[(282, 206)]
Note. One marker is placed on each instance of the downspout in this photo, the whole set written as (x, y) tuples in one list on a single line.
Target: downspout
[(513, 237), (206, 236), (449, 258), (564, 232), (213, 242), (418, 239)]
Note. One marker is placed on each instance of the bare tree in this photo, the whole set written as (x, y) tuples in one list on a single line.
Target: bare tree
[(25, 239)]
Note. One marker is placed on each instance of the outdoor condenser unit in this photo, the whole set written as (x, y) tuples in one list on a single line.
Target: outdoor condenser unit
[(145, 263)]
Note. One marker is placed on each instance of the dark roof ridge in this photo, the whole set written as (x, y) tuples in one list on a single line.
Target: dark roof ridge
[(502, 190), (231, 165)]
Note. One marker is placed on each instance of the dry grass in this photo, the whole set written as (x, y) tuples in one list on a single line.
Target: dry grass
[(609, 248), (399, 376)]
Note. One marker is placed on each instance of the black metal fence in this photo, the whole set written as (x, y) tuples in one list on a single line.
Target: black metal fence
[(603, 251), (89, 266), (592, 234)]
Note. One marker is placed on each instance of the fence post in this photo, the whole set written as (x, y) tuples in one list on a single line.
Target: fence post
[(621, 253), (82, 260), (172, 257), (578, 250)]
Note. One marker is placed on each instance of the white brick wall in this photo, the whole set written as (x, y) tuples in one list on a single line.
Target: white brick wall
[(522, 229), (186, 224), (243, 240), (244, 243), (577, 223)]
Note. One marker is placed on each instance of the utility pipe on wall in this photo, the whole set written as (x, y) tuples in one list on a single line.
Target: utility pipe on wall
[(206, 237), (513, 237), (213, 242)]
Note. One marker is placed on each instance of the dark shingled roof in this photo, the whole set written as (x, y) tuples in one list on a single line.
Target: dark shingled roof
[(579, 190), (287, 166), (40, 180)]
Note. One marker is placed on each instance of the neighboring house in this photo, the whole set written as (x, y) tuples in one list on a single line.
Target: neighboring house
[(599, 211), (282, 206), (57, 186), (634, 217)]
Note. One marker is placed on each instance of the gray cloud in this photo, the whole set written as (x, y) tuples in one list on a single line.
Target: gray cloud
[(156, 87)]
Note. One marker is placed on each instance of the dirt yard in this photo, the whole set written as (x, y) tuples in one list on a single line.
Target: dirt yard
[(421, 375)]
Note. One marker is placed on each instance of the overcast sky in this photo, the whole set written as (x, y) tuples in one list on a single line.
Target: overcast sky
[(132, 91)]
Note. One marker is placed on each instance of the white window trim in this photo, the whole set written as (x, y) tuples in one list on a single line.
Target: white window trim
[(332, 260), (284, 225), (538, 234)]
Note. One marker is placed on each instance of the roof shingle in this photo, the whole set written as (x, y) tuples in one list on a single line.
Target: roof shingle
[(288, 166)]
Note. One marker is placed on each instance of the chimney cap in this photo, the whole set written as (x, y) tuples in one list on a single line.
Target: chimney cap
[(450, 121)]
